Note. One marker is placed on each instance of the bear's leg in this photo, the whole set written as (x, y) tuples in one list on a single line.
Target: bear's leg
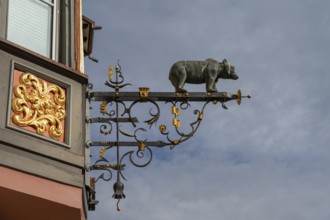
[(210, 83), (214, 87), (182, 76)]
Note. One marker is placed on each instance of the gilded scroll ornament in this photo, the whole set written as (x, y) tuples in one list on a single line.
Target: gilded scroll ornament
[(103, 107), (110, 73), (102, 151), (39, 105), (176, 123), (175, 111)]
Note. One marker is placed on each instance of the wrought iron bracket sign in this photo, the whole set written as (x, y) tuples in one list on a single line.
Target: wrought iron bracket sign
[(117, 115)]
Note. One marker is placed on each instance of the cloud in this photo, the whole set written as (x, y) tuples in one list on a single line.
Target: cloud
[(264, 159)]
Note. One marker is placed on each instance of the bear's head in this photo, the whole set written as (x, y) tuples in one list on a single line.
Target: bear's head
[(228, 70)]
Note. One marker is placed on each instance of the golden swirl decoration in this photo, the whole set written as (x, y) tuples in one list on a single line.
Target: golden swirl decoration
[(39, 105)]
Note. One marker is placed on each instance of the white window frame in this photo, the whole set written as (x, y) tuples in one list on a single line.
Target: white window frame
[(54, 28), (54, 35)]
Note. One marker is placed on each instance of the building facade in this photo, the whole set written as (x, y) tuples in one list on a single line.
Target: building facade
[(42, 110)]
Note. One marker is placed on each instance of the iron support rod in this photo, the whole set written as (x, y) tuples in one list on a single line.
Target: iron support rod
[(116, 120), (163, 96), (127, 143)]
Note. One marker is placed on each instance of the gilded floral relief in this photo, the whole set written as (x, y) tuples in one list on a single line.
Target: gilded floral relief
[(38, 105)]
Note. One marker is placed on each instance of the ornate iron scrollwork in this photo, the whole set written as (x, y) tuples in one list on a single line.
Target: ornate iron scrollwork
[(117, 108)]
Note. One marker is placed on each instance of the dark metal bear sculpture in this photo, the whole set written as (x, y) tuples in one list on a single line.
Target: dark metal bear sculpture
[(198, 72)]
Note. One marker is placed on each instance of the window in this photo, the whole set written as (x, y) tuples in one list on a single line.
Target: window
[(32, 24)]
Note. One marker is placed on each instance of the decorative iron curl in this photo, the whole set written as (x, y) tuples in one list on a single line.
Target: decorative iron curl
[(184, 105), (140, 155), (104, 128), (104, 110), (119, 79), (103, 164), (111, 113), (183, 136), (117, 86), (102, 175), (154, 116), (136, 137)]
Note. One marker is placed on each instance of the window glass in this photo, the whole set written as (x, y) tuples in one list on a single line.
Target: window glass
[(30, 24)]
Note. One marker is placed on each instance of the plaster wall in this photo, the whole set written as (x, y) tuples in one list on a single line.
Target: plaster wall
[(25, 196)]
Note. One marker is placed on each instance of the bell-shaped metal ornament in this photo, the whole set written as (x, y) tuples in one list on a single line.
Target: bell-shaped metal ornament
[(118, 188)]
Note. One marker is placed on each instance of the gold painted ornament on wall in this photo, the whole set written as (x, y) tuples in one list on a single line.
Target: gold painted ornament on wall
[(39, 105)]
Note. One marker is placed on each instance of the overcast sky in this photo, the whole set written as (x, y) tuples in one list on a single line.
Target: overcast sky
[(268, 158)]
